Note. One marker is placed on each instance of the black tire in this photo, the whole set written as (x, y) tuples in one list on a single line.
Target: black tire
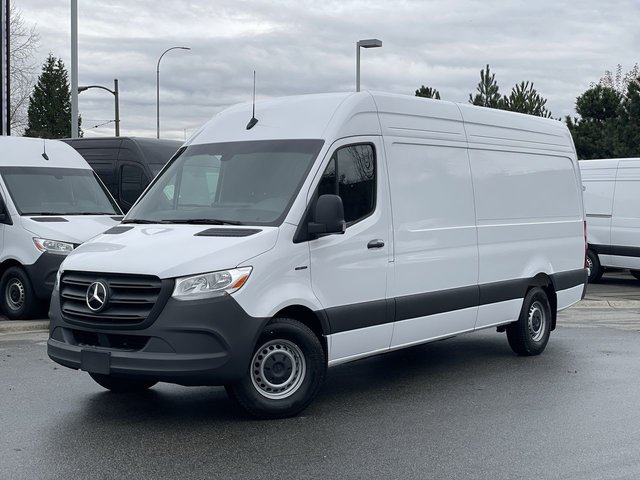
[(122, 384), (530, 334), (635, 273), (593, 262), (17, 297), (292, 356)]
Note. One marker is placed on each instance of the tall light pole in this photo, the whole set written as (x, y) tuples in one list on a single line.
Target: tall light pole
[(74, 68), (158, 86), (116, 95), (369, 43)]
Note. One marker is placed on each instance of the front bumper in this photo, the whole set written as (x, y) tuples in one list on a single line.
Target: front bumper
[(198, 342)]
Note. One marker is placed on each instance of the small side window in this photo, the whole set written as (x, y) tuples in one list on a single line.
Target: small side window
[(133, 181), (351, 173)]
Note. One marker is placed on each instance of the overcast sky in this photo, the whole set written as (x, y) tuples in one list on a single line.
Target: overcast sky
[(302, 46)]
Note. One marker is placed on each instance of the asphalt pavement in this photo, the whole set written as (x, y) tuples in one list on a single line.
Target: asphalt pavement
[(462, 408)]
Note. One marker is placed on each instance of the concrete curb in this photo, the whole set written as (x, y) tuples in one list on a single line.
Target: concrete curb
[(609, 304), (23, 326)]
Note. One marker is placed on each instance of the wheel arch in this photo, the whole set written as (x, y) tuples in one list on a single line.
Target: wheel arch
[(545, 282), (316, 321)]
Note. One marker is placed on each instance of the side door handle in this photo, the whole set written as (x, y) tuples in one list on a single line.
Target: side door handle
[(377, 243)]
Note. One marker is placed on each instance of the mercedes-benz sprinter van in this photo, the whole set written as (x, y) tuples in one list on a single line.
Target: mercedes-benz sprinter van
[(325, 229), (611, 196), (50, 202)]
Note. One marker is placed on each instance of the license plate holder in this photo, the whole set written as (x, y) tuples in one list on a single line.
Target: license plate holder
[(95, 361)]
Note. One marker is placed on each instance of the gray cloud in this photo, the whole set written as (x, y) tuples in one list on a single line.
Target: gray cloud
[(300, 47)]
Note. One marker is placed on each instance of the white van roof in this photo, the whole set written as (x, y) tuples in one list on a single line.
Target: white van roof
[(28, 152), (338, 115)]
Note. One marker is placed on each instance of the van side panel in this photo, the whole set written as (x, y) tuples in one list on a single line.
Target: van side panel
[(435, 240), (625, 223), (529, 217), (598, 179)]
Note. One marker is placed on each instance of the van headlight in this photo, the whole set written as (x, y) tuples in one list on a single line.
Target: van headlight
[(212, 284), (53, 246)]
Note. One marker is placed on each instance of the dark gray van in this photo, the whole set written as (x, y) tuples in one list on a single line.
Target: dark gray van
[(125, 165)]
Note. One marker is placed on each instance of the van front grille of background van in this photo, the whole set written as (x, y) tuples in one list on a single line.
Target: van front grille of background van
[(133, 301)]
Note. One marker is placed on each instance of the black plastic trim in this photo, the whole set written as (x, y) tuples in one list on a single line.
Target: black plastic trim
[(48, 219), (117, 230), (228, 232), (619, 250), (195, 342), (42, 274), (369, 314)]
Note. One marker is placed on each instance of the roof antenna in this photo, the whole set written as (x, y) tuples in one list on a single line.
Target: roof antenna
[(254, 120), (44, 149)]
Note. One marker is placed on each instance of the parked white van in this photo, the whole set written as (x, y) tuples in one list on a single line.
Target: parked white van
[(50, 202), (336, 227), (611, 199)]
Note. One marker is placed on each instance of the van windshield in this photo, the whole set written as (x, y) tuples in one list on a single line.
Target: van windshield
[(57, 191), (238, 183)]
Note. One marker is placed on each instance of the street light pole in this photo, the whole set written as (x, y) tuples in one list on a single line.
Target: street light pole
[(116, 95), (369, 43), (158, 87)]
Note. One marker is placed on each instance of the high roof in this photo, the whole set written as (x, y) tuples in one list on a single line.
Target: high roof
[(28, 152)]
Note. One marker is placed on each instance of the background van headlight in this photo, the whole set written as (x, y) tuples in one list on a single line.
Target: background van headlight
[(53, 246), (211, 284)]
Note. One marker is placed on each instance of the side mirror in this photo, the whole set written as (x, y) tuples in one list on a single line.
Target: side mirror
[(329, 216)]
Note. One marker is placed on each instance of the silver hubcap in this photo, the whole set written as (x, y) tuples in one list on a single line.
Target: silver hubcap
[(14, 294), (589, 263), (537, 321), (278, 369)]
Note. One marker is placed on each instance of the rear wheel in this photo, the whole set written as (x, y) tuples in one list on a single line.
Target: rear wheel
[(122, 384), (17, 297), (530, 334), (593, 263), (635, 273), (287, 369)]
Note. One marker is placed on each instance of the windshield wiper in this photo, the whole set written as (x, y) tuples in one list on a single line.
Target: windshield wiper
[(204, 221), (143, 220)]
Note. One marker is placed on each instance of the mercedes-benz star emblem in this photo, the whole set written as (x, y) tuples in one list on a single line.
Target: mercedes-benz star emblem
[(96, 296)]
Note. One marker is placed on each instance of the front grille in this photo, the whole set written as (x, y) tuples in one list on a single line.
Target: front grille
[(133, 300)]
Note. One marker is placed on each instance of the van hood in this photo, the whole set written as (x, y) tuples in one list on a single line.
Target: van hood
[(168, 251), (68, 228)]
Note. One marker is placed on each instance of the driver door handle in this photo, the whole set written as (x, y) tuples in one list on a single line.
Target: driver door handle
[(377, 243)]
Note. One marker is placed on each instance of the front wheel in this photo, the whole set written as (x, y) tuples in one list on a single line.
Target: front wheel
[(530, 334), (17, 297), (122, 384), (287, 369)]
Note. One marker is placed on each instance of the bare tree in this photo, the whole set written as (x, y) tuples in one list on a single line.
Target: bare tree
[(24, 41), (620, 82)]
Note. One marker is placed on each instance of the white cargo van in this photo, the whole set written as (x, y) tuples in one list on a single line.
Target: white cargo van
[(50, 202), (611, 199), (336, 227)]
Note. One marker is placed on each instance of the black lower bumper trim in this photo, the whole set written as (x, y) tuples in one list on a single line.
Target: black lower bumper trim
[(199, 342)]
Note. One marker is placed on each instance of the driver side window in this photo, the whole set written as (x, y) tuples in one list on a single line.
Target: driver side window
[(351, 174)]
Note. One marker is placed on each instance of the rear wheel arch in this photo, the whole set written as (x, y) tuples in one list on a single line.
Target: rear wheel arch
[(545, 282)]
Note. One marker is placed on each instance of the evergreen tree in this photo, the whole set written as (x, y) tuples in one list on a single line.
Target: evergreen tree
[(488, 91), (596, 132), (49, 112), (525, 99), (428, 92), (628, 124)]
